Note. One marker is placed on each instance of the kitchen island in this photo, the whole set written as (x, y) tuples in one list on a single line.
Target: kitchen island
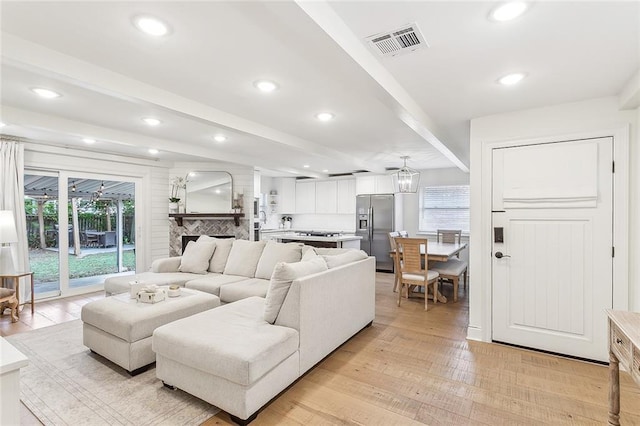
[(331, 241)]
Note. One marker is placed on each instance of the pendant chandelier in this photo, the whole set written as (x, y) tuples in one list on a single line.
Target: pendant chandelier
[(406, 179)]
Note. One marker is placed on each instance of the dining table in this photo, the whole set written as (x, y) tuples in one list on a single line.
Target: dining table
[(439, 252)]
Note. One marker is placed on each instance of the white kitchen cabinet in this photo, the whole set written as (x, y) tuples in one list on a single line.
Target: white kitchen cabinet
[(374, 184), (286, 188), (305, 197), (327, 197), (346, 191), (365, 185)]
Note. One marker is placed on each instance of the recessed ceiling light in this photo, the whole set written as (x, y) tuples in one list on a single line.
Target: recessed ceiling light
[(306, 166), (265, 85), (325, 171), (324, 116), (508, 11), (220, 138), (151, 121), (150, 25), (153, 151), (45, 93), (88, 140), (511, 79)]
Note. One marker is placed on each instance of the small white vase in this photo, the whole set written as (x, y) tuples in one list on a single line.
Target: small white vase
[(173, 207)]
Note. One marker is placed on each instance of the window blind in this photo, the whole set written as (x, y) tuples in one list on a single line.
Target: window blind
[(444, 207)]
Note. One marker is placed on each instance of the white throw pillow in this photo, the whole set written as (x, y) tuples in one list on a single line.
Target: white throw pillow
[(220, 256), (283, 275), (195, 258), (243, 258), (344, 258), (308, 253), (277, 252)]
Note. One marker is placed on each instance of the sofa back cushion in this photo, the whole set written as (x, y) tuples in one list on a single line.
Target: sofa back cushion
[(283, 275), (196, 256), (274, 253), (243, 258), (344, 258), (219, 259)]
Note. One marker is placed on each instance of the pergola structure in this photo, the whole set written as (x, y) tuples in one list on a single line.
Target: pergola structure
[(44, 188)]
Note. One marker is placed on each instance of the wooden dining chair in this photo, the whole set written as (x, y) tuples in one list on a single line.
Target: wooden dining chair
[(412, 270), (451, 270), (396, 259)]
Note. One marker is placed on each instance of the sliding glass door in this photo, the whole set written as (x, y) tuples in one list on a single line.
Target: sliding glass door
[(43, 230), (73, 249)]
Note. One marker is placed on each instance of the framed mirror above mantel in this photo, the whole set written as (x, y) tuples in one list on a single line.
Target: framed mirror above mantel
[(208, 195), (208, 192)]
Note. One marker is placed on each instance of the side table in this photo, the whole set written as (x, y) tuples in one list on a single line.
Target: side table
[(15, 277)]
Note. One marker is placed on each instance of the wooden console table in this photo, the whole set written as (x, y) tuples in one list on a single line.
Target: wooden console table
[(624, 347)]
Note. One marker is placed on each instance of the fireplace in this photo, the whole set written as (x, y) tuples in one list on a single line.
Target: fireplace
[(187, 238)]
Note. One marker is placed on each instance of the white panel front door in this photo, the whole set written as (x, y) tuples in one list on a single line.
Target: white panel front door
[(554, 280)]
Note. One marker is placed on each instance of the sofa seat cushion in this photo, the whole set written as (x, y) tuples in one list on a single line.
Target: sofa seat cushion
[(232, 342), (211, 283), (120, 284), (243, 289)]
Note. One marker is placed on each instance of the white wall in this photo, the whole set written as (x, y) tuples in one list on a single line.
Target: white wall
[(152, 231), (594, 115)]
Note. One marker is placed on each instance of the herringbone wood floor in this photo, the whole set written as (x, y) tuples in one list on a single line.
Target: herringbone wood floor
[(416, 367)]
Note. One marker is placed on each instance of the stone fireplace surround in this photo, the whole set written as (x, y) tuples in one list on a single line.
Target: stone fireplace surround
[(192, 229)]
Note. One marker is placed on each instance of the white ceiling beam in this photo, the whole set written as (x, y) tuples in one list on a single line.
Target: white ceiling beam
[(398, 99), (28, 55)]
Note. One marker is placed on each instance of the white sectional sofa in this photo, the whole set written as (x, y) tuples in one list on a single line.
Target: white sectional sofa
[(284, 308)]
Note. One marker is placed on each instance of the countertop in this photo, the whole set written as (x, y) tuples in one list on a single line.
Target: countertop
[(335, 239)]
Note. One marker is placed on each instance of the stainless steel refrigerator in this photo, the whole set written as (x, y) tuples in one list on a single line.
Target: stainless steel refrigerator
[(374, 220)]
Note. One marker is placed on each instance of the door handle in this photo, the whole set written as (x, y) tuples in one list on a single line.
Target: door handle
[(499, 255)]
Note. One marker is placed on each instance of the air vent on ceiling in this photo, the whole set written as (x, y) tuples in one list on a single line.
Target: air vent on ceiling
[(402, 40)]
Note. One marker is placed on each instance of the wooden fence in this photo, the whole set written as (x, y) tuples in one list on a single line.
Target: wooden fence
[(96, 223)]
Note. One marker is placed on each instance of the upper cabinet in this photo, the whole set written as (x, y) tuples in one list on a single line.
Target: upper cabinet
[(346, 200), (305, 197), (374, 184), (326, 197), (286, 188)]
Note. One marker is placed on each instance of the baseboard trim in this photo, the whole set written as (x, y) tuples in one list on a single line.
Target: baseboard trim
[(474, 333)]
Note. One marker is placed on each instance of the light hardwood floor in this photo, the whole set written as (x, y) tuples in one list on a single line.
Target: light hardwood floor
[(416, 367)]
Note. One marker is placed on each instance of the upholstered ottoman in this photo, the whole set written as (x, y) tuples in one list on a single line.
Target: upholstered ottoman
[(119, 328)]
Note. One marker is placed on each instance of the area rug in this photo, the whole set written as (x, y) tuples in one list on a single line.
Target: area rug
[(66, 384)]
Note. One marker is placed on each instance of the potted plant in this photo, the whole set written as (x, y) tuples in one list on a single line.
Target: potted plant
[(177, 183)]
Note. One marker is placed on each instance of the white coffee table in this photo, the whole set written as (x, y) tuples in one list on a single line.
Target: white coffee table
[(119, 328)]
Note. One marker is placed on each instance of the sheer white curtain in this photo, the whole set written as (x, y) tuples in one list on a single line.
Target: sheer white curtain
[(12, 198)]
